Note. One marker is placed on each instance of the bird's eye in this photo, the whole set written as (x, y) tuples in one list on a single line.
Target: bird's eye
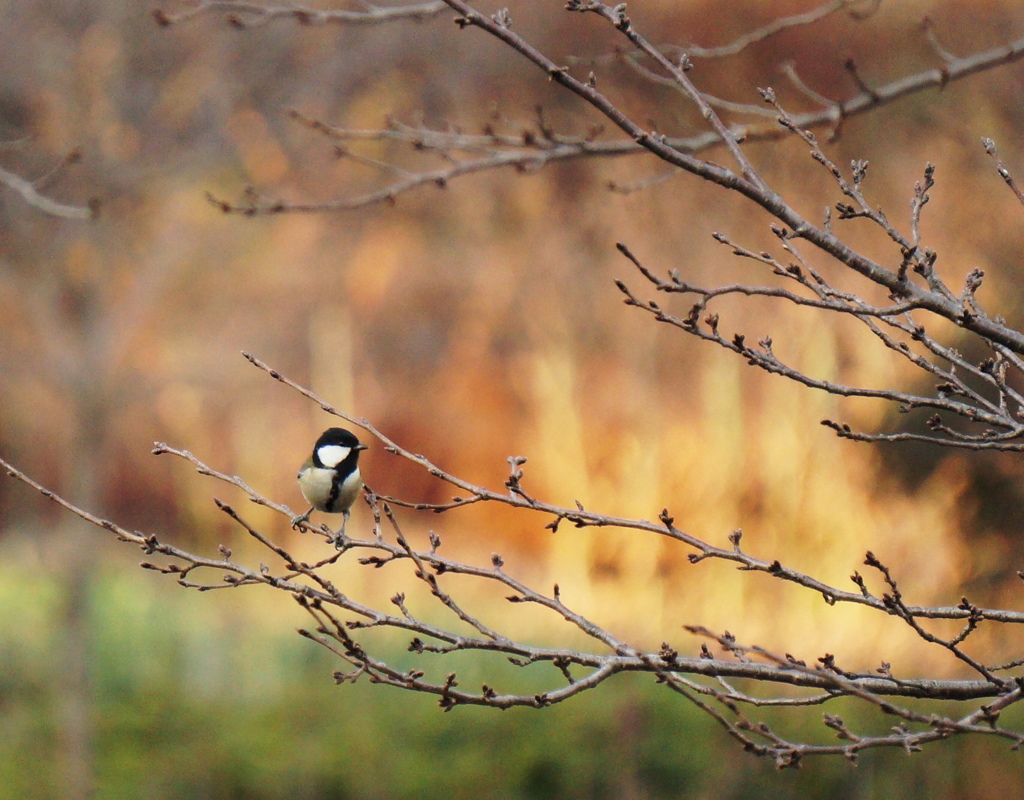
[(333, 454)]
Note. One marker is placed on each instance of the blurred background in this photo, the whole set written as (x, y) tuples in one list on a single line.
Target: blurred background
[(469, 324)]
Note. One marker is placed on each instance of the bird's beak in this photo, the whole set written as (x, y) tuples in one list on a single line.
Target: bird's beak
[(361, 446)]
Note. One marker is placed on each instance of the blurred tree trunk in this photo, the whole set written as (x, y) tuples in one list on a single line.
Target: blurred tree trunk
[(84, 465)]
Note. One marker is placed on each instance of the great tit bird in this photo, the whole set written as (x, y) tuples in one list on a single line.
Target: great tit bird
[(330, 479)]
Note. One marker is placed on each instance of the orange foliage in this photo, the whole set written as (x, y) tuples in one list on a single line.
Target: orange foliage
[(480, 321)]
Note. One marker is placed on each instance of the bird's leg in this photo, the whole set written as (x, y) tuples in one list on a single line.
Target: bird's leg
[(296, 521), (339, 537)]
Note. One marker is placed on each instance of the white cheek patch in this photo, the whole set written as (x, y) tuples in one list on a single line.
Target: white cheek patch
[(333, 454)]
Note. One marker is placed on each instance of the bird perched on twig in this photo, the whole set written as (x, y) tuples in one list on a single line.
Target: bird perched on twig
[(330, 479)]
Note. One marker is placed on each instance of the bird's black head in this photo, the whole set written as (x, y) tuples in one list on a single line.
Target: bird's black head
[(334, 446)]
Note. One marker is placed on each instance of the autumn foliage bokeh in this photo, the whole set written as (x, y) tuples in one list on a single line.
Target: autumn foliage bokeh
[(480, 321)]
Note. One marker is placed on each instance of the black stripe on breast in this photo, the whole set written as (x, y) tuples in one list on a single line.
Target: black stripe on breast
[(332, 498)]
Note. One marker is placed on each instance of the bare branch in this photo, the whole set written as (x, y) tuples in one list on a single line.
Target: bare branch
[(249, 15), (582, 518), (312, 589), (29, 192), (532, 152), (1004, 173), (859, 9)]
